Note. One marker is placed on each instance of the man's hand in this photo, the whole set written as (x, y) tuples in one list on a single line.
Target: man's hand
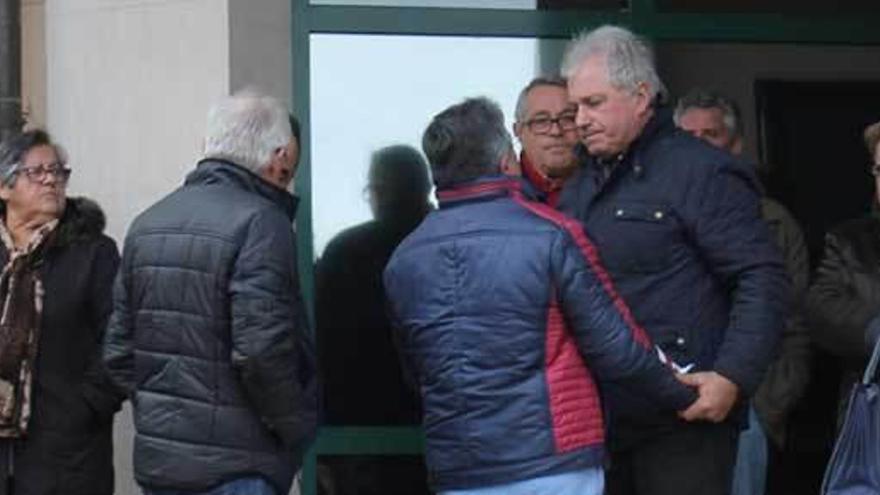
[(717, 396)]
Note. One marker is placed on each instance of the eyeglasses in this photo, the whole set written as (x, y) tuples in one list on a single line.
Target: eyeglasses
[(38, 174), (544, 125)]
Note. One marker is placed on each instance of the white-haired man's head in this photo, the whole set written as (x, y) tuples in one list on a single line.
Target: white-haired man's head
[(253, 131), (612, 78), (629, 59)]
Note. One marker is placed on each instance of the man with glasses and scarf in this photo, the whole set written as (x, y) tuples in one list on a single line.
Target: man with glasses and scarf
[(546, 130)]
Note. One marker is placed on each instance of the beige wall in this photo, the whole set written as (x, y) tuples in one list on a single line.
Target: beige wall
[(129, 83), (259, 48), (33, 61)]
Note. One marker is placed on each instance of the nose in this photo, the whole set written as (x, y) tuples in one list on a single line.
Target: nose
[(582, 118), (50, 178)]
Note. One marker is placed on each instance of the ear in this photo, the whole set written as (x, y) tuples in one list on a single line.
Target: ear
[(643, 98), (517, 130), (510, 165), (5, 192), (737, 146)]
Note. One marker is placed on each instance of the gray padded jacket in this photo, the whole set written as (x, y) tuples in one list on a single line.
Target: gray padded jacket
[(208, 335)]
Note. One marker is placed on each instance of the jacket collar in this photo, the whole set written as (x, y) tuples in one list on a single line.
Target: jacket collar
[(484, 188), (658, 124), (542, 183), (213, 171)]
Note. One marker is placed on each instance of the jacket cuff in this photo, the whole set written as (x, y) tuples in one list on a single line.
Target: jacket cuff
[(685, 398), (103, 403)]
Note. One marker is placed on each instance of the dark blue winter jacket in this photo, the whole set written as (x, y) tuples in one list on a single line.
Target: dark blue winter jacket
[(678, 225)]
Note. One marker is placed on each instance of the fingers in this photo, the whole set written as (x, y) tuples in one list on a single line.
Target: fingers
[(692, 379), (716, 397), (693, 413)]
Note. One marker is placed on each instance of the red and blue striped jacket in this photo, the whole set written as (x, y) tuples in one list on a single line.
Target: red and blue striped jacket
[(506, 320)]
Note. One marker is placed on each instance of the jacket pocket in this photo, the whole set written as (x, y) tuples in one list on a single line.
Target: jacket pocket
[(645, 237)]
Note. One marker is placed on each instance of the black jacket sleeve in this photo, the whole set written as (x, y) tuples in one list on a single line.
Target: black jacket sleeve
[(735, 242), (97, 387), (268, 334), (604, 328), (789, 375), (844, 300), (118, 350)]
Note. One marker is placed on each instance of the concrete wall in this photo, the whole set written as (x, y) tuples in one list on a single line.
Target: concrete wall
[(259, 47), (129, 83), (33, 61)]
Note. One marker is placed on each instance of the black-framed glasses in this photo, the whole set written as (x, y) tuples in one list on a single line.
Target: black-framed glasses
[(544, 125), (38, 173)]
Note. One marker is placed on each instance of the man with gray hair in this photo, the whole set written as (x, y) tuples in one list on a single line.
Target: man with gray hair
[(717, 120), (546, 130), (208, 334), (504, 316), (711, 117), (677, 224)]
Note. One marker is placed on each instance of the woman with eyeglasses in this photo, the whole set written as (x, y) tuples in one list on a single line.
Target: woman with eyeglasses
[(56, 404), (843, 304)]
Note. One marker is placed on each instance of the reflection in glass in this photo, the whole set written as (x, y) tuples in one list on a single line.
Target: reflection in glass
[(360, 368), (372, 475), (369, 91)]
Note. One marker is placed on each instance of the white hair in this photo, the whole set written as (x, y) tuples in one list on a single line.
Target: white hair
[(246, 129), (629, 59)]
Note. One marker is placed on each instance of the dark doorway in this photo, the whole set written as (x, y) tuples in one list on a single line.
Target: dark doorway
[(810, 138)]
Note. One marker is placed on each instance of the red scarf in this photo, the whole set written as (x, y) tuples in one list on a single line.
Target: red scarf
[(549, 186)]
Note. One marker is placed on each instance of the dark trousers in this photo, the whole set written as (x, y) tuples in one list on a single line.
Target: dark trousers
[(688, 459)]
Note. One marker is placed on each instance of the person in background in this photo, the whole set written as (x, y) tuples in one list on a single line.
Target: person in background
[(717, 120), (547, 134), (843, 303), (208, 333), (362, 382), (56, 403), (504, 317)]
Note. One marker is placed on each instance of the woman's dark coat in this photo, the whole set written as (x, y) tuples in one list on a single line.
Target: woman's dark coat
[(69, 446)]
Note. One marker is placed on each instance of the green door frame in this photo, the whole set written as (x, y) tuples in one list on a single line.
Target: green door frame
[(643, 16)]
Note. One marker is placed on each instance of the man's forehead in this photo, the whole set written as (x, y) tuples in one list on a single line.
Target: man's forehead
[(706, 116), (547, 97)]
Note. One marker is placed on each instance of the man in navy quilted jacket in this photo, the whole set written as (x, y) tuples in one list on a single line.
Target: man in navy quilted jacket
[(505, 319), (678, 224)]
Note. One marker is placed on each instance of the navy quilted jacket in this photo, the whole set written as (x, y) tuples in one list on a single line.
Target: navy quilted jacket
[(678, 224)]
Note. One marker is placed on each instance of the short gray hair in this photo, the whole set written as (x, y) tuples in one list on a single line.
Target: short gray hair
[(707, 100), (521, 109), (466, 141), (629, 59), (246, 129), (15, 147)]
